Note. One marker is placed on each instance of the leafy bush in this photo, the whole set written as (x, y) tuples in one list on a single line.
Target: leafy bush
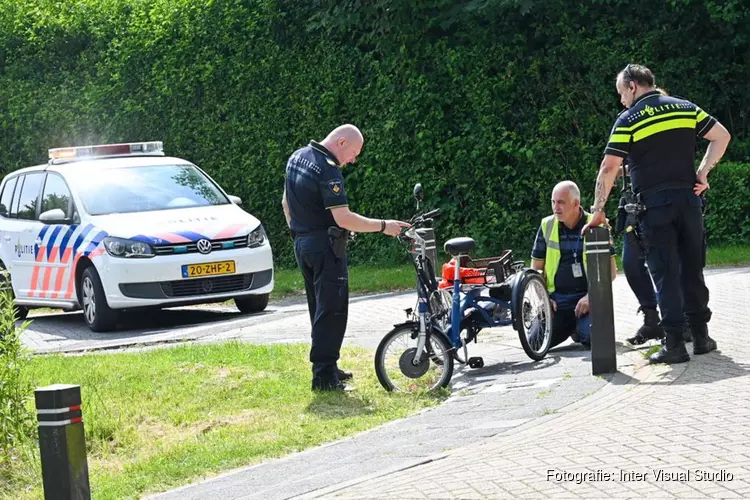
[(728, 209), (488, 103), (17, 423)]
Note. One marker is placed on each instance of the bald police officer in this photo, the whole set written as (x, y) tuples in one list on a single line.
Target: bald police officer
[(659, 133), (316, 208)]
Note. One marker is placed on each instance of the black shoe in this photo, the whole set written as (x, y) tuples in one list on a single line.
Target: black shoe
[(328, 385), (687, 336), (671, 355), (343, 375), (702, 343), (650, 329), (704, 346)]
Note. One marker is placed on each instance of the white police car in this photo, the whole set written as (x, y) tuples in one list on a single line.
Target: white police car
[(122, 226)]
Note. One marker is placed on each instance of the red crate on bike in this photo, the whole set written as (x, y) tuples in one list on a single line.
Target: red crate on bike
[(469, 275)]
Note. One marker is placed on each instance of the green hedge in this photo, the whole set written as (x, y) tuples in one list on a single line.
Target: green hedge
[(488, 103)]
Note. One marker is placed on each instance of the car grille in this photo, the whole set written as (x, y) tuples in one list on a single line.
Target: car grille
[(182, 248), (197, 287)]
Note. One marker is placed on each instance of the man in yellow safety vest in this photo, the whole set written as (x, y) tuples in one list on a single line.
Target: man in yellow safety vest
[(558, 252)]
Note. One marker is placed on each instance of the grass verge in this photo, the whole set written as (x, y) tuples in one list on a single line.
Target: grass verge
[(362, 279), (162, 418)]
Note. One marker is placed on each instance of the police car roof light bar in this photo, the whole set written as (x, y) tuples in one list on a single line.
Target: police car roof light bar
[(58, 155)]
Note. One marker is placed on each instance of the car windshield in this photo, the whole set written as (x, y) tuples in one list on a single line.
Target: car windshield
[(144, 189)]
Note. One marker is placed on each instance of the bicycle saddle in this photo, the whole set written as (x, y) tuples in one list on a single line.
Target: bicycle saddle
[(457, 246)]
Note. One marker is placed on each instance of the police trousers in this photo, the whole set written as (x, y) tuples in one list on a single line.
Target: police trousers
[(636, 272), (672, 227), (327, 289)]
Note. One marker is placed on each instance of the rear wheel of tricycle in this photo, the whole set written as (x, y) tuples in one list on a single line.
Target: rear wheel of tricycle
[(394, 361), (532, 315)]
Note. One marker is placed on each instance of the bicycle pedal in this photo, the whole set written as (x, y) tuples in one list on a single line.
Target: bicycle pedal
[(476, 362)]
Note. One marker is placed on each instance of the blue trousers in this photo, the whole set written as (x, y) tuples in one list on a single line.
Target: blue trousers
[(673, 230), (564, 320), (327, 289), (636, 272)]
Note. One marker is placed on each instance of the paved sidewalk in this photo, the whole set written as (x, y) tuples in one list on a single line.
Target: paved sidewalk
[(669, 432), (514, 420)]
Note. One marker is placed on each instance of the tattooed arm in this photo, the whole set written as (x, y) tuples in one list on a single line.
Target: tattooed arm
[(608, 171), (604, 182), (719, 137)]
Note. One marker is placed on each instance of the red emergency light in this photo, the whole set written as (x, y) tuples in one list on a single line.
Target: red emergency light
[(104, 150)]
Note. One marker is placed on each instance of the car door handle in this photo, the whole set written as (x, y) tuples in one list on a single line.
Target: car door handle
[(7, 238)]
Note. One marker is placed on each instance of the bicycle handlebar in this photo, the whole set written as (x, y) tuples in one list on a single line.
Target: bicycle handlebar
[(433, 214), (418, 221)]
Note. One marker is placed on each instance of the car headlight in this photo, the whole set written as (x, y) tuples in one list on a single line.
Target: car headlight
[(120, 247), (257, 237)]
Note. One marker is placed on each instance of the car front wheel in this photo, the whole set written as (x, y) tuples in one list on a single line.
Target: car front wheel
[(251, 303), (97, 313)]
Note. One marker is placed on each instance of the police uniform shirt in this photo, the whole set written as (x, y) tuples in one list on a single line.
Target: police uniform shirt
[(314, 185), (571, 251), (659, 132)]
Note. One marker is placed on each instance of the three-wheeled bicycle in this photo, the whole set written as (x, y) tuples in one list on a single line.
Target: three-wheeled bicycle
[(419, 354)]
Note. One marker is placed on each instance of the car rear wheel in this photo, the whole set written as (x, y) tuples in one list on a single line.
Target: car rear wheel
[(251, 303), (97, 313)]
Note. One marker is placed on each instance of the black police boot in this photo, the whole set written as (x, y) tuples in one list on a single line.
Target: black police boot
[(687, 335), (702, 343), (342, 375), (649, 330), (327, 385), (673, 351)]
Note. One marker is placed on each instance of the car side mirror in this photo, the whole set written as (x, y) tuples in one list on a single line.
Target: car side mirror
[(54, 216), (235, 199)]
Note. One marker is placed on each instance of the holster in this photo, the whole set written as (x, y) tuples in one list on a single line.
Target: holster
[(338, 238), (622, 216), (625, 212)]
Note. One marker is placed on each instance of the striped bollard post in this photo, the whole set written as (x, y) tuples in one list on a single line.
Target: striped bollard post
[(601, 305), (62, 442)]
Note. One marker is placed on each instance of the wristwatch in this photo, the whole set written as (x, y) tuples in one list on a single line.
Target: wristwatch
[(594, 209), (382, 225)]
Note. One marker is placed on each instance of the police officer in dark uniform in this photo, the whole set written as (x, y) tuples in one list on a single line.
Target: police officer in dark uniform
[(317, 211), (658, 133)]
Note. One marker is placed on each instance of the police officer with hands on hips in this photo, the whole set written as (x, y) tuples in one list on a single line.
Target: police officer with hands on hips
[(316, 208), (658, 133)]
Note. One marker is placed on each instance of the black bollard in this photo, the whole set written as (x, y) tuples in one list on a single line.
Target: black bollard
[(599, 276), (62, 442)]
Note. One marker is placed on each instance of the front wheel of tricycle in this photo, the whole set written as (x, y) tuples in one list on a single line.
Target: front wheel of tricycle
[(394, 361), (532, 315)]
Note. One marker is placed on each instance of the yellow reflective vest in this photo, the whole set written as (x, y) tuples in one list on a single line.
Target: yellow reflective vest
[(552, 239)]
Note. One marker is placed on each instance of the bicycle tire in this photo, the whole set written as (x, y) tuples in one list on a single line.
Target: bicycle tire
[(435, 340), (538, 351)]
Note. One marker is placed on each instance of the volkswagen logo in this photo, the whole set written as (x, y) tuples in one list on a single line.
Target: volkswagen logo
[(204, 246)]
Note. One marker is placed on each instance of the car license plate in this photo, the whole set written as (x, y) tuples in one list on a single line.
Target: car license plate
[(208, 269)]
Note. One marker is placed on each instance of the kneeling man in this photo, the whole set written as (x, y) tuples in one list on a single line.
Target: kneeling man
[(558, 251)]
